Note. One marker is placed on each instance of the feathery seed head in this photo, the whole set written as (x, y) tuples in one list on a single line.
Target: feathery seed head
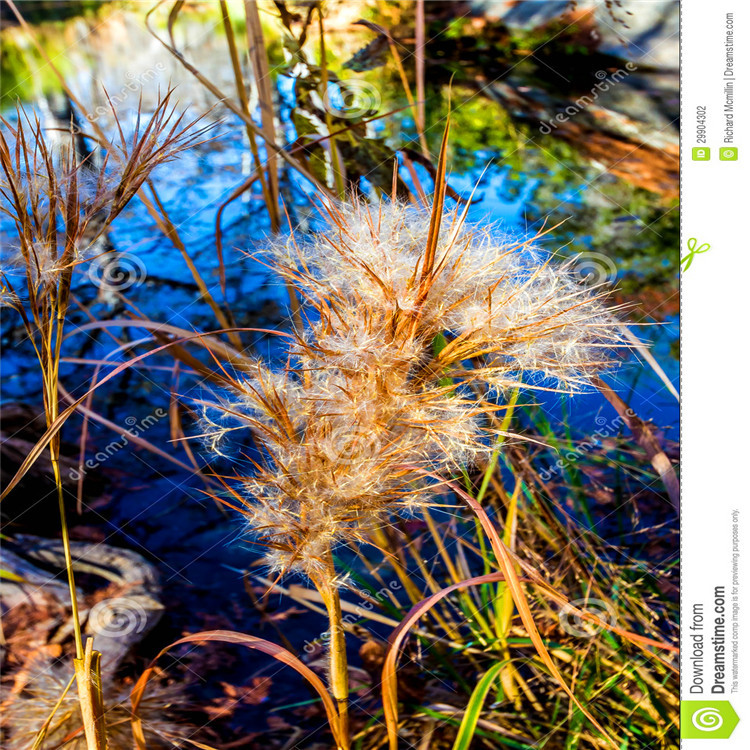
[(390, 380), (61, 202)]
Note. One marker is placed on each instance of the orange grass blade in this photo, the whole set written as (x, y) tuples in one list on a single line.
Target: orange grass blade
[(390, 684), (240, 639), (436, 216), (208, 338)]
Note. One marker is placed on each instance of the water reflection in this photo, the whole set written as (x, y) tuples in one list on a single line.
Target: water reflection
[(625, 212)]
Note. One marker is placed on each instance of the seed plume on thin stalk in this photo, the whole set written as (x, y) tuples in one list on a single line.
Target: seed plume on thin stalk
[(61, 205), (396, 375)]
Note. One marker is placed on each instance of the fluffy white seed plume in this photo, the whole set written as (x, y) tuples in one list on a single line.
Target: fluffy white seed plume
[(491, 292), (339, 451), (389, 381)]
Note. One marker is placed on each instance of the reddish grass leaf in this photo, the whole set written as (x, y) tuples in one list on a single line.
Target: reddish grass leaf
[(240, 639)]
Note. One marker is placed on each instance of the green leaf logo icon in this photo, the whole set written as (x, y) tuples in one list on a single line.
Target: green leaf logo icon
[(707, 720)]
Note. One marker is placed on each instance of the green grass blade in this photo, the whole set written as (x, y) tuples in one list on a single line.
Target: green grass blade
[(474, 708)]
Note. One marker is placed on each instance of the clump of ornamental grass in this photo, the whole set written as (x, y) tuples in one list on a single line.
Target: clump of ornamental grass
[(61, 205), (481, 638), (417, 327)]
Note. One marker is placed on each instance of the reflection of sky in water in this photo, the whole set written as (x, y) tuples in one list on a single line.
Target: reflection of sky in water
[(204, 177)]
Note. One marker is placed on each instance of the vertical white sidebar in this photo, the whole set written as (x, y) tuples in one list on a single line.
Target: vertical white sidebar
[(715, 656)]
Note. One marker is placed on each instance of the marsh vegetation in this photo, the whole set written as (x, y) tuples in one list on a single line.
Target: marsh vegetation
[(339, 404)]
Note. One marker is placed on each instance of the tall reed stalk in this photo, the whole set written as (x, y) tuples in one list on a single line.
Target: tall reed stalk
[(338, 679), (61, 205)]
